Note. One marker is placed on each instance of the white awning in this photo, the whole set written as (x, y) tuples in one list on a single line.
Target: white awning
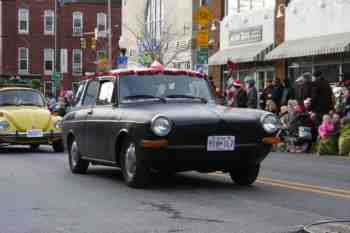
[(240, 54), (329, 44)]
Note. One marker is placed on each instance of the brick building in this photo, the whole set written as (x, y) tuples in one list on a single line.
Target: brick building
[(27, 39)]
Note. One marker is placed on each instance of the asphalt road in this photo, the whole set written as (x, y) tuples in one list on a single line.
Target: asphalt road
[(38, 194)]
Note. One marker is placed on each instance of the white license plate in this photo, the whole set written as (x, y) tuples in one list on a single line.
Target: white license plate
[(221, 143), (34, 133)]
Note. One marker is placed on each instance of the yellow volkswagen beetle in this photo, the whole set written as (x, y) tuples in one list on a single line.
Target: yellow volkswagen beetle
[(25, 119)]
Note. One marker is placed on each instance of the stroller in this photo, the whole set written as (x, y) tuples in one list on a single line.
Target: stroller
[(300, 133)]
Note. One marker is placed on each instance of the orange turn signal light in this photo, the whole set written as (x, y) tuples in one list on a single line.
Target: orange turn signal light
[(153, 144), (272, 140)]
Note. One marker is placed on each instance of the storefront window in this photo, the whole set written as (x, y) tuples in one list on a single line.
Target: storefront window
[(245, 75), (295, 72), (346, 68), (329, 72)]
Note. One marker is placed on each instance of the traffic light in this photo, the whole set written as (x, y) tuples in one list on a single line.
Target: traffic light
[(93, 43), (82, 43)]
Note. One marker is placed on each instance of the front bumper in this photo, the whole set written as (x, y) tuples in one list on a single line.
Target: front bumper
[(196, 157), (21, 137)]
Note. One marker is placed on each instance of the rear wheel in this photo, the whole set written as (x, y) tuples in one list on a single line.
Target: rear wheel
[(58, 146), (76, 163), (136, 174), (245, 176)]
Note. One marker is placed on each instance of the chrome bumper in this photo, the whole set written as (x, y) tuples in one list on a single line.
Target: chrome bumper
[(23, 135)]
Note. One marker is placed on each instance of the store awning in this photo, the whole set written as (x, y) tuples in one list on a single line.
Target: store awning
[(329, 44), (240, 54)]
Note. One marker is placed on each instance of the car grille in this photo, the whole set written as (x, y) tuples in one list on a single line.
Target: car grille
[(245, 133)]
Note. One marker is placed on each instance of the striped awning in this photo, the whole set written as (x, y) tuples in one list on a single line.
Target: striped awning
[(240, 54), (329, 44)]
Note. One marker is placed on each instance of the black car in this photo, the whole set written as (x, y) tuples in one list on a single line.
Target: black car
[(164, 121)]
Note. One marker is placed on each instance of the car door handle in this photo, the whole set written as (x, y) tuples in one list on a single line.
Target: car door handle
[(90, 112)]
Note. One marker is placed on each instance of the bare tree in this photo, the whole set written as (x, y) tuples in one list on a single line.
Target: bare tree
[(164, 46)]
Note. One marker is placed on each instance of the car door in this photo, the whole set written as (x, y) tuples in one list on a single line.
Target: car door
[(87, 106), (101, 122)]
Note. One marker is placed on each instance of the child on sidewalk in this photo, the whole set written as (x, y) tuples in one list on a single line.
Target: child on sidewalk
[(328, 141)]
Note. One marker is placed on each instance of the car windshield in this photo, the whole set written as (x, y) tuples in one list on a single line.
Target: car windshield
[(21, 97), (164, 87)]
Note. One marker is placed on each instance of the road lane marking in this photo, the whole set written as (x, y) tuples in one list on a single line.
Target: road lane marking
[(327, 193), (334, 192), (298, 184)]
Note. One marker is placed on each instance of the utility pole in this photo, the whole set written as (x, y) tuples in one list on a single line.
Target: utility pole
[(109, 33)]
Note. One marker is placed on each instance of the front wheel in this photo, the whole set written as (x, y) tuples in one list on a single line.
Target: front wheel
[(245, 176), (136, 174), (76, 163), (58, 146)]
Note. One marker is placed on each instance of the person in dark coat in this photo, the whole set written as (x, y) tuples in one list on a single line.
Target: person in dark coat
[(241, 96), (321, 97), (266, 94), (252, 94), (303, 89), (277, 93), (287, 94)]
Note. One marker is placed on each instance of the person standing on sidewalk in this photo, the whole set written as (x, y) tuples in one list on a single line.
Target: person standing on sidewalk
[(321, 97), (241, 96), (252, 94)]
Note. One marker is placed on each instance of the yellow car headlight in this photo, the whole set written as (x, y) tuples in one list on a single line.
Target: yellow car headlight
[(4, 125)]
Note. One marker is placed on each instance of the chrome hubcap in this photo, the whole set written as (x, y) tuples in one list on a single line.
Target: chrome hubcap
[(74, 154), (130, 160)]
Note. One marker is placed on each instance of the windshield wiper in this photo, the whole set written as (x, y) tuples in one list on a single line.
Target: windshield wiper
[(131, 97), (187, 97)]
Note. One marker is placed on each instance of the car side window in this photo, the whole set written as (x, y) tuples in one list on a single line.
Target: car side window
[(106, 93), (79, 94), (91, 94)]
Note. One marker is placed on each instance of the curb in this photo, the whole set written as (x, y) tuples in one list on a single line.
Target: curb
[(326, 226)]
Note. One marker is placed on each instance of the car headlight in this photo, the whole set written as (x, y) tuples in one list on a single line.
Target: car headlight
[(4, 125), (271, 123), (161, 126), (58, 124)]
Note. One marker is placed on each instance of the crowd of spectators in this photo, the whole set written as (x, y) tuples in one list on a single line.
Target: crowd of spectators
[(327, 107)]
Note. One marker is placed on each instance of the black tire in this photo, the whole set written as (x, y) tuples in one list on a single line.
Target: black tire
[(34, 147), (136, 174), (76, 163), (245, 176), (58, 146)]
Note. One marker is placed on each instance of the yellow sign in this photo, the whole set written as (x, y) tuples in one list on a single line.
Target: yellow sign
[(202, 38), (203, 15)]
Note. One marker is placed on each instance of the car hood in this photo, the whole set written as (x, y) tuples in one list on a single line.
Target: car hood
[(27, 117), (194, 113)]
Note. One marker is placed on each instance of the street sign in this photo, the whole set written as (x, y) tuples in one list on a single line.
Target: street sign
[(202, 38), (202, 56), (203, 15), (56, 76)]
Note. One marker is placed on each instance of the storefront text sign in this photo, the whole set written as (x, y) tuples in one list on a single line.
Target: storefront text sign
[(246, 36)]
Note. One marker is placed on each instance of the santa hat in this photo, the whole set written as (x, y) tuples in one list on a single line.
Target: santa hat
[(237, 83)]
